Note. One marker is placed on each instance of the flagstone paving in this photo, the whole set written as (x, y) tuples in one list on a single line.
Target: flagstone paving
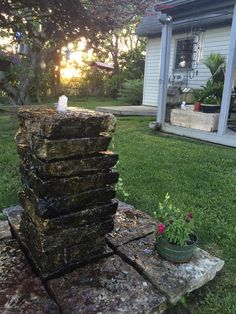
[(132, 279)]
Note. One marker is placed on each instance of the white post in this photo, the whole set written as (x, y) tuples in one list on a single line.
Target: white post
[(228, 79), (164, 67)]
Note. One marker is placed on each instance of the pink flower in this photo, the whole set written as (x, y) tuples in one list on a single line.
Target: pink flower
[(189, 217), (161, 228)]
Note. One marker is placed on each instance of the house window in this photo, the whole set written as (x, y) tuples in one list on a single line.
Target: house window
[(184, 54)]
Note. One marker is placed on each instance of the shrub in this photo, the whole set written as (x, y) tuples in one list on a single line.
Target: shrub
[(110, 86), (132, 92)]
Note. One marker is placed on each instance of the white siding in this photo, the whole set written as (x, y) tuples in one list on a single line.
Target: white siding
[(151, 74), (214, 40)]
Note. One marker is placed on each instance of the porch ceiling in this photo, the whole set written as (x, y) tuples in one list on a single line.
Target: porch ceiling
[(188, 14), (192, 8)]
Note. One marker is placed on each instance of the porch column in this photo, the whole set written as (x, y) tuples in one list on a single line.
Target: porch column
[(164, 66), (228, 79)]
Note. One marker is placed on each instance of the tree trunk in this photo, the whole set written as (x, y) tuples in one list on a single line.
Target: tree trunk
[(56, 79), (21, 98), (115, 57), (19, 95)]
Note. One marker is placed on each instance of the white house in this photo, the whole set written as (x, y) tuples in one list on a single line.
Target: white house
[(192, 40), (180, 34)]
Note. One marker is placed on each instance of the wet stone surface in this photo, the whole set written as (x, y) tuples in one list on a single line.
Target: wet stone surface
[(65, 237), (75, 123), (60, 149), (93, 214), (107, 286), (67, 186), (130, 224), (5, 232), (48, 207), (14, 214), (72, 167), (173, 280), (20, 290), (59, 260)]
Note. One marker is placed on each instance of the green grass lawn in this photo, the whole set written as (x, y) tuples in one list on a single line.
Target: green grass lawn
[(198, 176)]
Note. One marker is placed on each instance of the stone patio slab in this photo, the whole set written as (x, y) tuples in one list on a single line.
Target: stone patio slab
[(173, 280), (21, 291), (5, 232), (130, 224), (129, 110), (14, 217), (134, 279), (108, 286)]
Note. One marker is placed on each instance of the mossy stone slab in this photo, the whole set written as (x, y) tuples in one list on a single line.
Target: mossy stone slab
[(66, 237), (60, 260), (75, 123), (49, 207), (20, 290), (173, 280), (130, 224), (60, 149), (57, 187), (5, 232), (72, 167), (87, 216), (107, 286)]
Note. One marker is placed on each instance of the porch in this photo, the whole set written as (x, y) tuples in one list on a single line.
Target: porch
[(177, 10), (227, 139)]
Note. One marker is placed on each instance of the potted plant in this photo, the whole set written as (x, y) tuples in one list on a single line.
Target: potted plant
[(175, 239), (212, 92), (210, 96)]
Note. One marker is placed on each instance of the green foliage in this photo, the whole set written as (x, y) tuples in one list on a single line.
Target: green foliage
[(215, 62), (175, 224), (132, 63), (131, 92), (121, 190), (9, 181), (110, 86), (211, 93)]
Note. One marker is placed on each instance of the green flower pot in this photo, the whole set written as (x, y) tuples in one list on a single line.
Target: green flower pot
[(176, 253)]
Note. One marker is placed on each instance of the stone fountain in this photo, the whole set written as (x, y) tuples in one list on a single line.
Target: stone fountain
[(68, 185)]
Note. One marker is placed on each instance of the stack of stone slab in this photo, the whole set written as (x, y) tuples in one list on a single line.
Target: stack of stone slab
[(68, 185)]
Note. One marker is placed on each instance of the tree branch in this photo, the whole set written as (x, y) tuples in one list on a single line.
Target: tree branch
[(8, 88)]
